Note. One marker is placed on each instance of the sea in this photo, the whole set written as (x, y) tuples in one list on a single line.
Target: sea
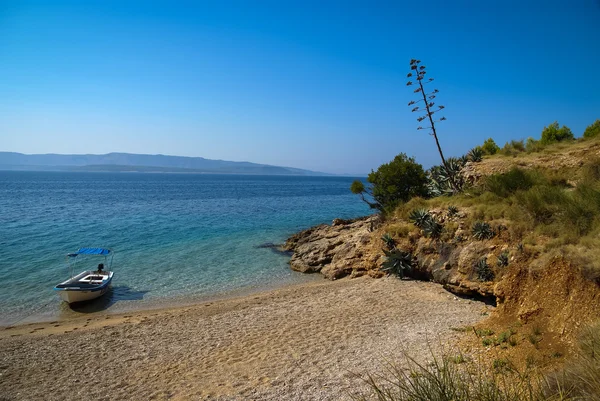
[(176, 238)]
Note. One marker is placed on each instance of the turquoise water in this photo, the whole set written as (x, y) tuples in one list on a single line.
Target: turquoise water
[(175, 236)]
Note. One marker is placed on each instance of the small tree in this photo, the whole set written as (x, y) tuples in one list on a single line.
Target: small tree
[(592, 130), (430, 110), (553, 133), (393, 183), (489, 147)]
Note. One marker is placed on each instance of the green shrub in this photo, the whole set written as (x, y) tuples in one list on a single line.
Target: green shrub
[(489, 147), (393, 183), (543, 202), (592, 130), (513, 148), (508, 183), (452, 211), (553, 133), (532, 145)]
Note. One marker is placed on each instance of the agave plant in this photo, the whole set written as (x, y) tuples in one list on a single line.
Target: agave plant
[(503, 259), (439, 180), (452, 211), (482, 230), (484, 271), (432, 229), (390, 243), (419, 217), (399, 262), (475, 155)]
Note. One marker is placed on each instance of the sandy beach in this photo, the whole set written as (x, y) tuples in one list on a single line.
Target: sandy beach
[(301, 342)]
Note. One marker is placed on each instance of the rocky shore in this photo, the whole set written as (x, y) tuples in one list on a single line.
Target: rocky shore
[(354, 248)]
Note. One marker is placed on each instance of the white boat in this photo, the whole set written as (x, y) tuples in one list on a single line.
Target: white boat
[(89, 284)]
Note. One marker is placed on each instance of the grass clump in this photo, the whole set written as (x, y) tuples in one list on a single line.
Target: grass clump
[(445, 380), (504, 185), (580, 378)]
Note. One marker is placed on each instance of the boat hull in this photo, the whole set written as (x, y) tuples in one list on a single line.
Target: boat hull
[(76, 292), (73, 296)]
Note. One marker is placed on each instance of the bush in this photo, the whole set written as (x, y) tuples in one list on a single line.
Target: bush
[(513, 147), (553, 134), (508, 183), (489, 147), (393, 183), (543, 202), (592, 130), (532, 145)]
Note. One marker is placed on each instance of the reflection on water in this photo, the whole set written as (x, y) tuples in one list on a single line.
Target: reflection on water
[(112, 296)]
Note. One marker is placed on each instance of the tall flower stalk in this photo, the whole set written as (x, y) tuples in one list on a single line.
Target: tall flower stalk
[(418, 71)]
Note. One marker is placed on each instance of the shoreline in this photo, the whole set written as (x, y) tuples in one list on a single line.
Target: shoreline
[(297, 342), (106, 306)]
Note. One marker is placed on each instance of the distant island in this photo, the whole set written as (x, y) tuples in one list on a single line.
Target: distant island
[(128, 162)]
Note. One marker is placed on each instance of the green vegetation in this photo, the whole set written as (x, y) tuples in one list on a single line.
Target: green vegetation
[(482, 230), (459, 378), (507, 184), (513, 148), (484, 271), (475, 155), (393, 183), (446, 181), (390, 243), (502, 259), (398, 263), (554, 133), (593, 130), (419, 217), (489, 147)]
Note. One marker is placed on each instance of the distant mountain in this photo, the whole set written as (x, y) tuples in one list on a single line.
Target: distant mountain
[(142, 163)]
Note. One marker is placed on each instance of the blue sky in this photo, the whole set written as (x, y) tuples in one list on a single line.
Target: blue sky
[(316, 85)]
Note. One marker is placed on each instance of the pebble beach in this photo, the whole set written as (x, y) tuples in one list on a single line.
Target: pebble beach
[(310, 341)]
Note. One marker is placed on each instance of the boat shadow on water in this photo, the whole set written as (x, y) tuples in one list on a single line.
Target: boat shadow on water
[(114, 295)]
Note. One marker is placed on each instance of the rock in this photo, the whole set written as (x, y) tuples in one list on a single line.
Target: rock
[(469, 256), (335, 251)]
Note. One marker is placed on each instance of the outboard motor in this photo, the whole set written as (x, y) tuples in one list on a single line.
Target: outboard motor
[(100, 268)]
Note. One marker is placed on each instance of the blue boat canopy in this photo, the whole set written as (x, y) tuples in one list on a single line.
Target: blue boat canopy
[(90, 251)]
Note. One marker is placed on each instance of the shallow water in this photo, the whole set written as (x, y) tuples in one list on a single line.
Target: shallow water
[(175, 236)]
